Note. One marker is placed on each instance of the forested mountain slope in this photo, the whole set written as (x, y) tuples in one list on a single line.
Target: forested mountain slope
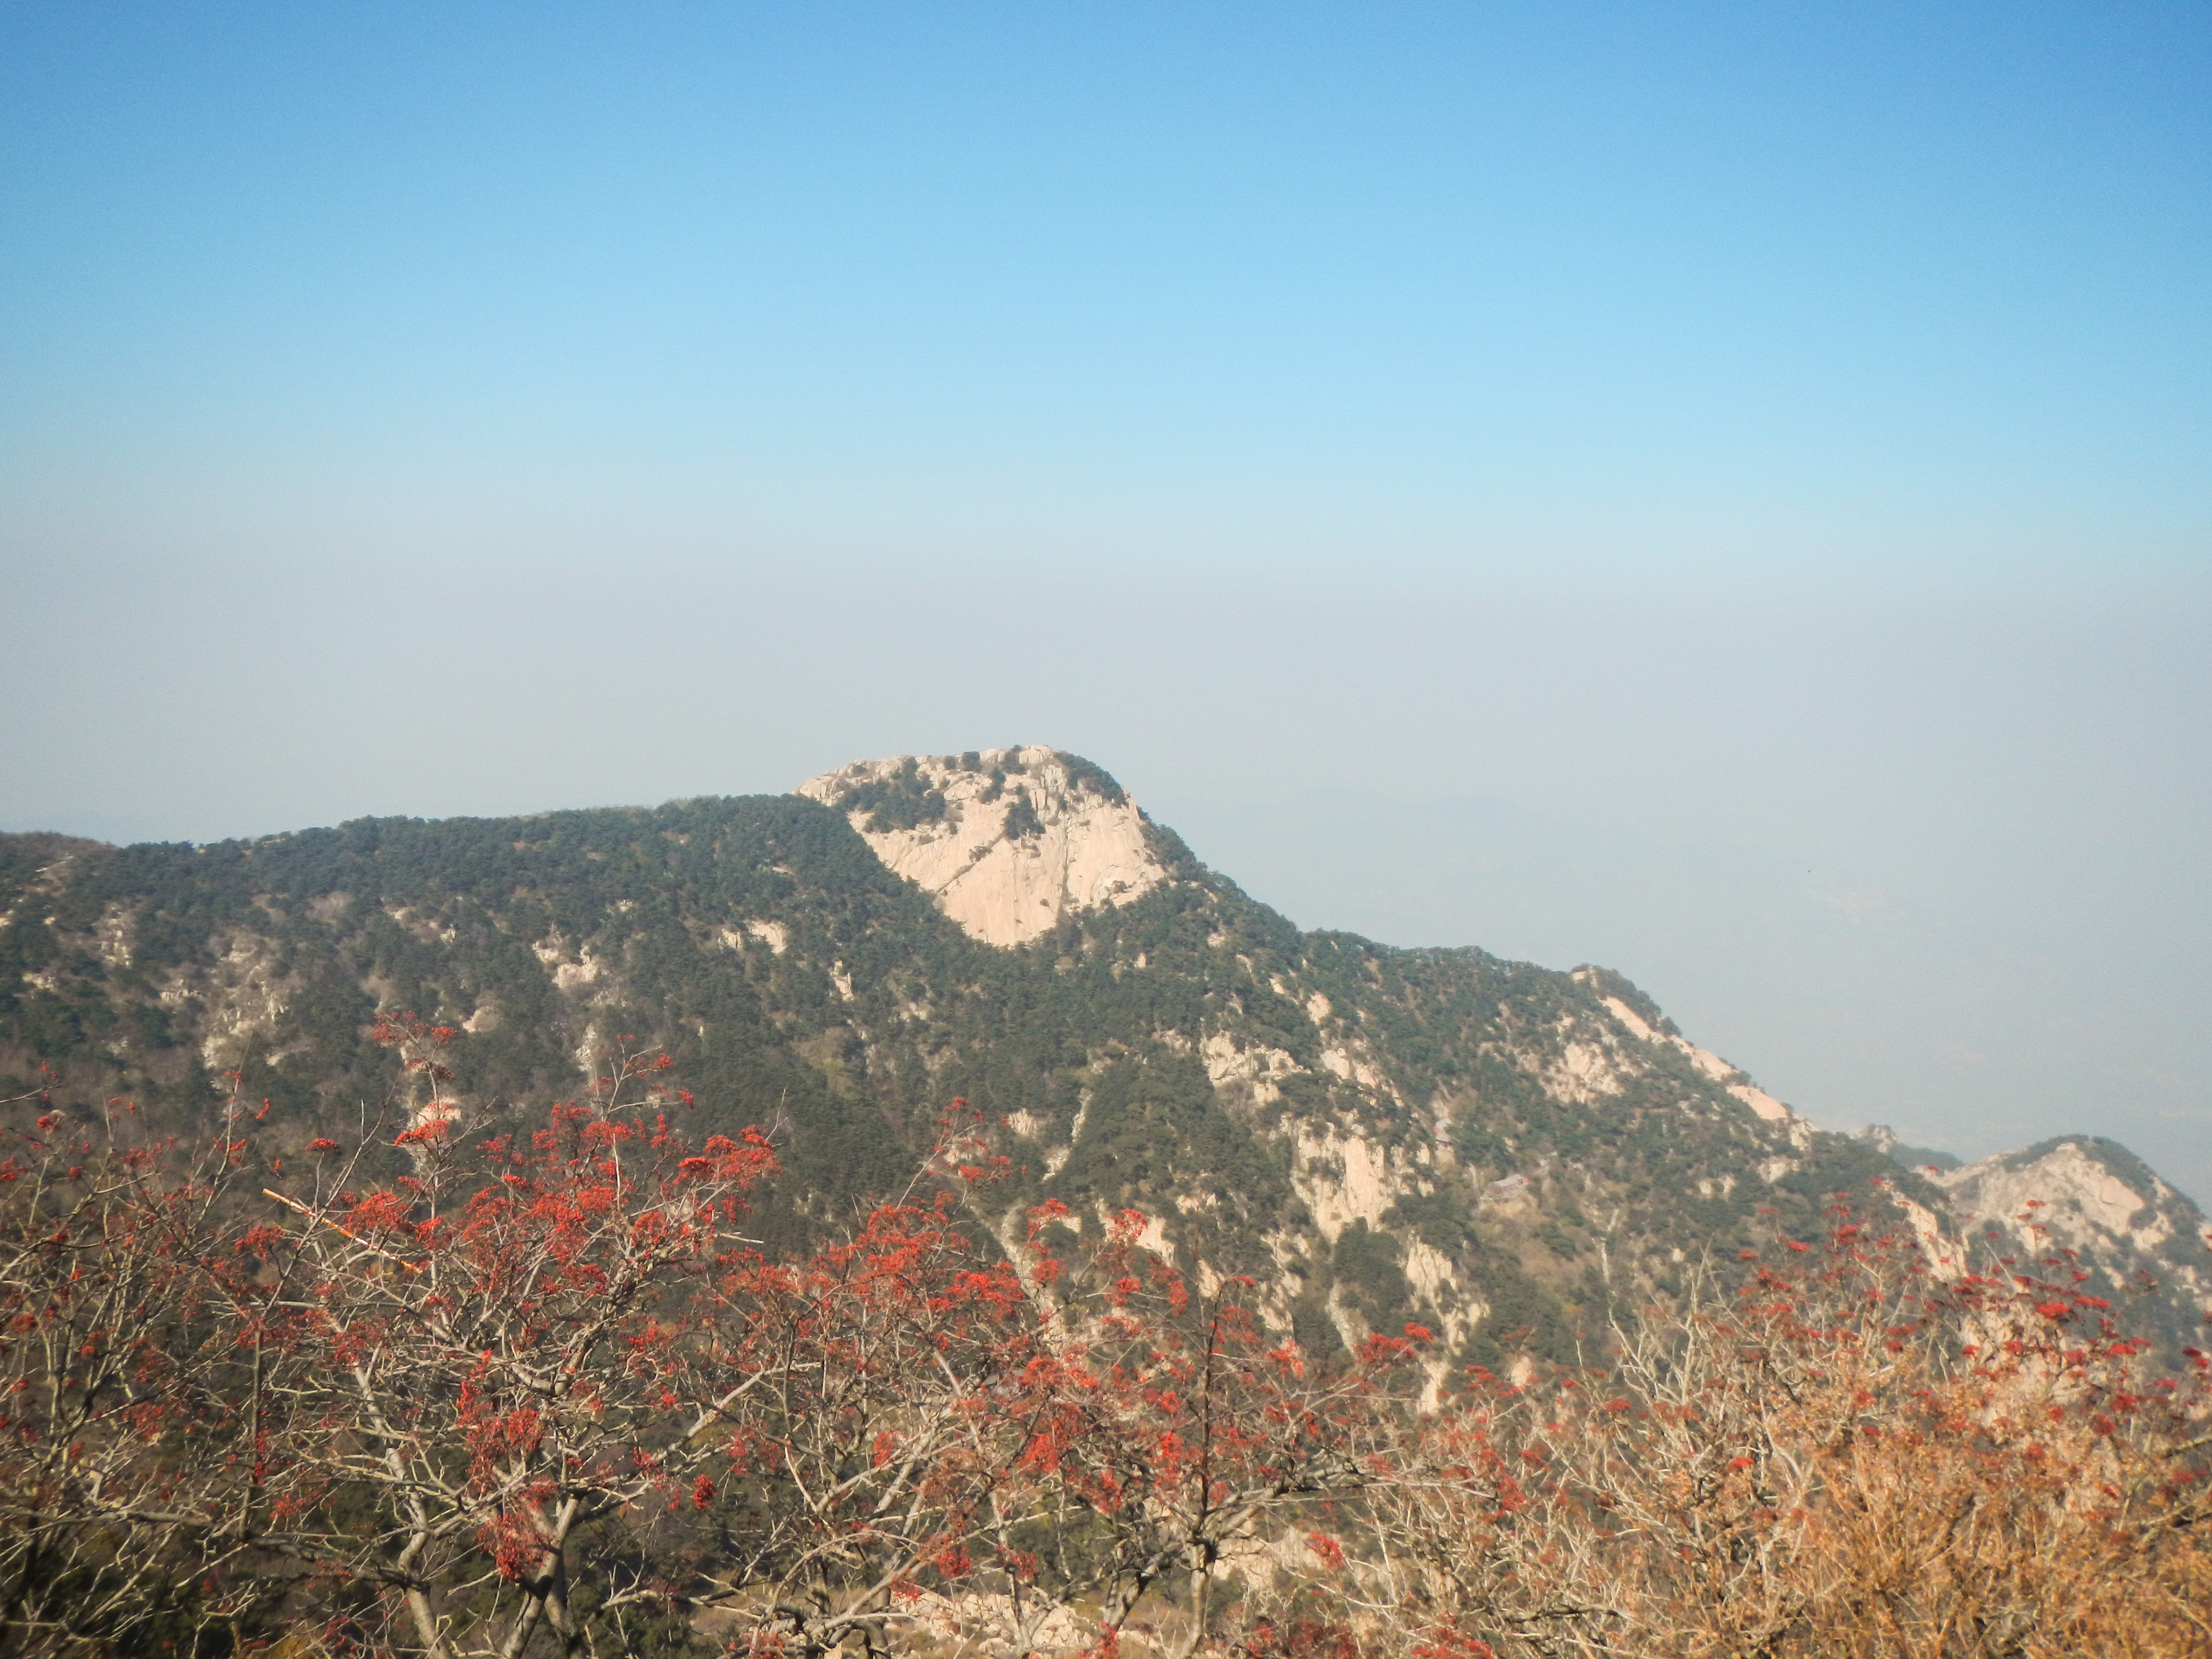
[(1502, 1151)]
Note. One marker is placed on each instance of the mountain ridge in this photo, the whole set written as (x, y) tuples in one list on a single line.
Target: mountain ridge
[(1509, 1153)]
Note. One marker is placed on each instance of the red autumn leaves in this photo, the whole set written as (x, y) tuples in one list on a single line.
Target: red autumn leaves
[(529, 1390)]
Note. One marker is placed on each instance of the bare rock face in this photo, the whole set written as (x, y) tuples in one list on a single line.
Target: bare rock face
[(2089, 1195), (2075, 1201), (1006, 841)]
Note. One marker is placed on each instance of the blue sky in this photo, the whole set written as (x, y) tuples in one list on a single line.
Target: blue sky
[(1779, 432), (1612, 282)]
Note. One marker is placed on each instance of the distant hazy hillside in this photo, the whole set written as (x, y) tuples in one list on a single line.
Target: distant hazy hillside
[(1497, 1150)]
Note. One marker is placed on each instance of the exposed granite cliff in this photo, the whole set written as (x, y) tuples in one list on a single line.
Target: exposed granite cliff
[(1006, 841)]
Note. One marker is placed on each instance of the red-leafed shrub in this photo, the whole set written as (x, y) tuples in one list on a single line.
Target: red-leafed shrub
[(540, 1396)]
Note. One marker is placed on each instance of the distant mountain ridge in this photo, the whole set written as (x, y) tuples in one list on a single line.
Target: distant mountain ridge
[(1508, 1154)]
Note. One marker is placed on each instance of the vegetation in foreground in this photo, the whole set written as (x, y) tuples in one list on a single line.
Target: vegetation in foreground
[(541, 1396)]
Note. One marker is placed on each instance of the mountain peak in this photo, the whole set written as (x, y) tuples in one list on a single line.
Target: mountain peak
[(1005, 840)]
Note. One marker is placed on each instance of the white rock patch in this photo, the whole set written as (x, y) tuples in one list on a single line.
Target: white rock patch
[(1343, 1179), (1261, 1067)]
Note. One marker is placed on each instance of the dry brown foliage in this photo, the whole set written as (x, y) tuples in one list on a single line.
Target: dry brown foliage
[(1849, 1457)]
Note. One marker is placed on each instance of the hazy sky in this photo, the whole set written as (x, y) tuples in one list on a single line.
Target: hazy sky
[(1724, 490)]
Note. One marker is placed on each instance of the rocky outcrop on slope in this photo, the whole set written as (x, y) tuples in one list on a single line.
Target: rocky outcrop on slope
[(1005, 840)]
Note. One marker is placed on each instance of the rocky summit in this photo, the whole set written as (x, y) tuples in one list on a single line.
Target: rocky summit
[(1510, 1155), (1006, 841)]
